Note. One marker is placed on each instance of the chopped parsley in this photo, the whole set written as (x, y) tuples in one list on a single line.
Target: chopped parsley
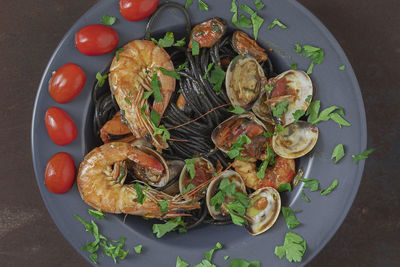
[(268, 88), (146, 95), (297, 115), (285, 187), (256, 20), (182, 66), (338, 153), (140, 197), (101, 79), (226, 257), (343, 67), (155, 85), (326, 114), (190, 166), (180, 42), (203, 6), (279, 109), (127, 101), (210, 253), (187, 5), (339, 120), (187, 189), (161, 229), (179, 261), (236, 110), (363, 155), (108, 20), (276, 22), (259, 4), (195, 48), (293, 66), (308, 99), (205, 263), (268, 161), (117, 52), (170, 73), (290, 218), (330, 188), (166, 41), (304, 196), (313, 184), (244, 263), (236, 148), (163, 205), (279, 128), (208, 70), (242, 21), (316, 55), (96, 213), (268, 134), (217, 78), (293, 247), (138, 249), (313, 110)]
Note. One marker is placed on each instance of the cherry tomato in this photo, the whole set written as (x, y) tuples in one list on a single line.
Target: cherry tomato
[(66, 83), (60, 173), (93, 40), (134, 10), (60, 126)]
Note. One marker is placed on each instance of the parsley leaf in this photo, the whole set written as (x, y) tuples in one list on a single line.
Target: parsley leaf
[(205, 263), (140, 197), (161, 229), (268, 88), (297, 115), (203, 6), (180, 42), (117, 52), (108, 20), (339, 120), (217, 78), (236, 147), (363, 155), (330, 188), (244, 263), (163, 205), (138, 249), (313, 184), (269, 160), (189, 188), (236, 110), (226, 257), (208, 69), (308, 99), (101, 79), (195, 48), (146, 95), (170, 73), (316, 55), (210, 253), (167, 41), (96, 213), (290, 218), (313, 110), (327, 114), (285, 187), (187, 5), (268, 134), (293, 66), (179, 261), (276, 22), (190, 166), (297, 48), (343, 67), (182, 66), (293, 247), (305, 197), (259, 4), (279, 128), (279, 109), (255, 19), (155, 86), (338, 153)]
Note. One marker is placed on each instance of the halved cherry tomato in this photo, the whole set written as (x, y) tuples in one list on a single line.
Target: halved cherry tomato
[(60, 126), (134, 10), (93, 40), (66, 83), (60, 173)]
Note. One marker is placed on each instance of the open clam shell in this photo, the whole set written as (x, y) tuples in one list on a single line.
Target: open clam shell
[(296, 140), (265, 205), (244, 80), (231, 129), (262, 109), (204, 171), (221, 213)]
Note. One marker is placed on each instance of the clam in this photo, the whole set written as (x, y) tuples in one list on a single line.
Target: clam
[(265, 205), (226, 133), (222, 213), (204, 171), (293, 86), (244, 80), (296, 140), (244, 45)]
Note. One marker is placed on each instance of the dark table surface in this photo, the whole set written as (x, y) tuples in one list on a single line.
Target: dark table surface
[(369, 32)]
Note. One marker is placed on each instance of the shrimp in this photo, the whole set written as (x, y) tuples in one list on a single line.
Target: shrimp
[(100, 188), (130, 77), (282, 172)]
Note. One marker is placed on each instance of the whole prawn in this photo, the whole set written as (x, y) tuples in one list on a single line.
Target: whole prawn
[(130, 77), (101, 189)]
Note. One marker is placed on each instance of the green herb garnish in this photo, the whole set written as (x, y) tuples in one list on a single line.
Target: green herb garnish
[(268, 161), (293, 247), (167, 41), (210, 253), (170, 73), (119, 50), (259, 4), (290, 218), (236, 110), (297, 115), (161, 229), (189, 188), (313, 184), (208, 69), (338, 153), (182, 66), (203, 6), (308, 99), (155, 85), (195, 48), (127, 101), (96, 213), (276, 22), (293, 66), (101, 79), (217, 78), (330, 188), (279, 109), (244, 263), (236, 148), (305, 197), (279, 128), (343, 67), (108, 20), (256, 20), (285, 187), (140, 197), (138, 249), (190, 166), (179, 261), (363, 155), (180, 42), (187, 5), (313, 110), (316, 55), (163, 205)]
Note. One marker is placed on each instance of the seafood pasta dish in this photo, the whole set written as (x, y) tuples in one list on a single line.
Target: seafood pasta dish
[(198, 126)]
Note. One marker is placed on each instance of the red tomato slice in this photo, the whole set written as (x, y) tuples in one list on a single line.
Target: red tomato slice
[(66, 83), (134, 10), (60, 127), (94, 40), (60, 173)]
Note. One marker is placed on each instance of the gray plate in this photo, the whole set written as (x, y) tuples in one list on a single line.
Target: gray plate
[(319, 219)]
